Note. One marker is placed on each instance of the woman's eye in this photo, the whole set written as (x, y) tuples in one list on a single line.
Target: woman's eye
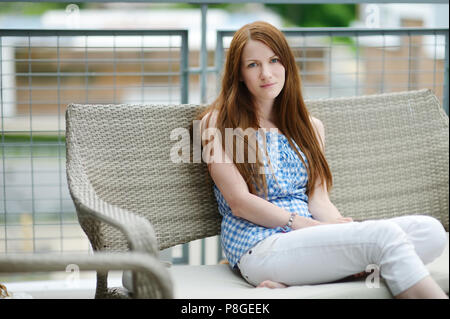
[(251, 65), (275, 60)]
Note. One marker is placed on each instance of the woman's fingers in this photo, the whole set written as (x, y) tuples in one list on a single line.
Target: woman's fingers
[(339, 220), (344, 220)]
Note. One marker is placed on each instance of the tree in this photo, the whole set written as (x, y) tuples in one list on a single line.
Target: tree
[(26, 8), (316, 15)]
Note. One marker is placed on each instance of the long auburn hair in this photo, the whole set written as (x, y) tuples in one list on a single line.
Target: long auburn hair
[(235, 108)]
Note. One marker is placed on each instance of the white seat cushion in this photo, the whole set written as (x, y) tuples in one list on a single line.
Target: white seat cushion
[(220, 282)]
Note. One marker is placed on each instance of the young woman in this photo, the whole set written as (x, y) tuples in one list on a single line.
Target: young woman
[(279, 226)]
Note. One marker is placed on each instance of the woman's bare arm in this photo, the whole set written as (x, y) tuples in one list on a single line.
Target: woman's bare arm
[(320, 205)]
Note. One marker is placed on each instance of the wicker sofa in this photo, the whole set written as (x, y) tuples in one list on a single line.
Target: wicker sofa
[(388, 153)]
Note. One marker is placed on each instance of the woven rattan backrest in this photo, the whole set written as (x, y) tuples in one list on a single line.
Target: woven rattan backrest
[(125, 152), (388, 154)]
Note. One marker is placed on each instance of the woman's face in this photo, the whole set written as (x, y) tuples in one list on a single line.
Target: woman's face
[(262, 71)]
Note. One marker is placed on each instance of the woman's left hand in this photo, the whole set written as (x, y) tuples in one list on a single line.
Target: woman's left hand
[(341, 220)]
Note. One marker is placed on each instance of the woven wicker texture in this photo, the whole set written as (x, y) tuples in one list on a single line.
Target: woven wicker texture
[(123, 151), (388, 154)]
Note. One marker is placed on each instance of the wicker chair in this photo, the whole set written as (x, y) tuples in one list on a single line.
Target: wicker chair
[(388, 154)]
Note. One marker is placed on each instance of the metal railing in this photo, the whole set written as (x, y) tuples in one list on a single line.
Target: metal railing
[(41, 72)]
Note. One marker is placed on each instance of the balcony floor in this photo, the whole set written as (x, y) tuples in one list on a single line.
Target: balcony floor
[(61, 288)]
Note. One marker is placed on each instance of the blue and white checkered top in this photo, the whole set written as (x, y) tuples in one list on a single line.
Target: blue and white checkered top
[(288, 191)]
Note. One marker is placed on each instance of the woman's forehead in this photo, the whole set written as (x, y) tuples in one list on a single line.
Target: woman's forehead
[(256, 51)]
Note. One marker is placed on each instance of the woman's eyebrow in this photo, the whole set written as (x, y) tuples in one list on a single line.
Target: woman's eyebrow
[(258, 60)]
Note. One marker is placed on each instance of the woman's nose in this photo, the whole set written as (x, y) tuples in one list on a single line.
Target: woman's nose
[(265, 72)]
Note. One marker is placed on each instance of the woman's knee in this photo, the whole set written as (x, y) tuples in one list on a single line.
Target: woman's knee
[(426, 233), (388, 235), (387, 229), (436, 235), (381, 240)]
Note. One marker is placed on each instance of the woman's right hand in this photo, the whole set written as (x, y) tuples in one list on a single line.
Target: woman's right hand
[(339, 220)]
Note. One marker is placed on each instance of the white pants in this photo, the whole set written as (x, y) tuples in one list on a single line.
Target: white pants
[(400, 247)]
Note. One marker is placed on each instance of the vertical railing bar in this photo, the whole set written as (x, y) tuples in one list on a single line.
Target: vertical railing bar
[(383, 66), (409, 61), (219, 249), (142, 69), (330, 84), (30, 94), (185, 253), (86, 67), (219, 66), (184, 68), (204, 54), (305, 37), (434, 64), (58, 97), (218, 60), (203, 252), (446, 74), (204, 66), (357, 64), (3, 142), (169, 65), (114, 68)]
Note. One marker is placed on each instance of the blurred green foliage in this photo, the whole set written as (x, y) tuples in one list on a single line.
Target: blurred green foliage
[(33, 8), (26, 138), (316, 15), (300, 15)]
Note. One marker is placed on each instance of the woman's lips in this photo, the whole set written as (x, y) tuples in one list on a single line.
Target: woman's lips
[(267, 85)]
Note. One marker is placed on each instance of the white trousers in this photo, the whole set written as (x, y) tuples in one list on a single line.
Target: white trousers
[(399, 247)]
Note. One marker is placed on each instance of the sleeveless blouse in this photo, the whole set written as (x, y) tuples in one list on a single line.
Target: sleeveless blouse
[(287, 191)]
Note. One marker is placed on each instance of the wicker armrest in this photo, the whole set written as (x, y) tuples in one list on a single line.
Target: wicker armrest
[(138, 230), (154, 279)]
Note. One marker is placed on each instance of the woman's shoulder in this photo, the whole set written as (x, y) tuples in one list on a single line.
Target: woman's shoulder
[(319, 129), (209, 119), (208, 126), (315, 121)]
